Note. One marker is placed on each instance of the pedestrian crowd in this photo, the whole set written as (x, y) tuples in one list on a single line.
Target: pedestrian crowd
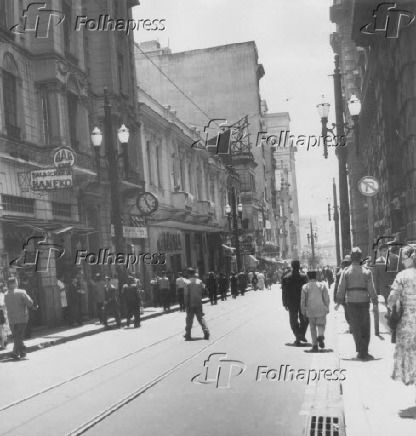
[(390, 280), (17, 300)]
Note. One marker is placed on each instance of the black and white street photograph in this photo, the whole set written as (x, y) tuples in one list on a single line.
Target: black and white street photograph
[(207, 217)]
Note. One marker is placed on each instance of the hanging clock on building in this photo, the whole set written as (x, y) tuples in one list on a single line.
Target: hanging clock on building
[(147, 203)]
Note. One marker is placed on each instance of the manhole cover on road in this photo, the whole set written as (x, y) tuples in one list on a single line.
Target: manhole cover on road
[(325, 426)]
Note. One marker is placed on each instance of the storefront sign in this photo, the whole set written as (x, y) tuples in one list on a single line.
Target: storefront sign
[(168, 242), (132, 232), (64, 157), (50, 179)]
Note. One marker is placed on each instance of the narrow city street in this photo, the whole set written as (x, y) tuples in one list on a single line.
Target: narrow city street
[(138, 381)]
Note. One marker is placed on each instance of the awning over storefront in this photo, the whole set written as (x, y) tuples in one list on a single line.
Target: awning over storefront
[(54, 227)]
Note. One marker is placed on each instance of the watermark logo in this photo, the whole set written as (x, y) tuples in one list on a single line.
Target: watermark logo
[(37, 252), (388, 20), (219, 370), (38, 19)]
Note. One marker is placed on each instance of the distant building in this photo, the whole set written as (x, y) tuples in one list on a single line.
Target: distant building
[(220, 83)]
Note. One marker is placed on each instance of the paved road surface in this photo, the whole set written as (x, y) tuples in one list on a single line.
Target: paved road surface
[(138, 381)]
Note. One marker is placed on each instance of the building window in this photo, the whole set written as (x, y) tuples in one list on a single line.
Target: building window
[(72, 102), (182, 171), (10, 104), (158, 166), (149, 161), (61, 209), (46, 126), (67, 25), (12, 203)]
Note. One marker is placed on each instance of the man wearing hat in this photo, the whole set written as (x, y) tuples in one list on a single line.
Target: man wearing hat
[(131, 296), (98, 292), (385, 270), (291, 294), (356, 289)]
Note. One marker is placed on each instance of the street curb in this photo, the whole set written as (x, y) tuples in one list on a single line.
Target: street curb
[(59, 341)]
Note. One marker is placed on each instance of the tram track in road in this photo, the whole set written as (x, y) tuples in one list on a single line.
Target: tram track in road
[(109, 363), (101, 416)]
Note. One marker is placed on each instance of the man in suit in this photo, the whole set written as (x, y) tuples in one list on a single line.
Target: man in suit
[(291, 295)]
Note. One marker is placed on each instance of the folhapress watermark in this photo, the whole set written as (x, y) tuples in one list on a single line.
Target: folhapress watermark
[(39, 19), (105, 257), (388, 20), (285, 139), (219, 371)]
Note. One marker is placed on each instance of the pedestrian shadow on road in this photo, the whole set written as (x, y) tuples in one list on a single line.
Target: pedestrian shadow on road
[(409, 413), (195, 339), (325, 350), (356, 359), (303, 344), (11, 360)]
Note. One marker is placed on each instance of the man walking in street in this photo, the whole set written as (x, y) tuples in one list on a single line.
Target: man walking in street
[(165, 291), (212, 287), (111, 304), (291, 294), (131, 296), (99, 295), (17, 304), (384, 271), (180, 289), (193, 304), (356, 289), (242, 281), (223, 286)]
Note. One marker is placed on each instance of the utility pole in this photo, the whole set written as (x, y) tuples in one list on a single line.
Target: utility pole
[(342, 163), (313, 246), (113, 175), (235, 228), (336, 221)]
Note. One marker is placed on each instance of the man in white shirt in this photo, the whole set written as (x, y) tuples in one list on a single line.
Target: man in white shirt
[(193, 304)]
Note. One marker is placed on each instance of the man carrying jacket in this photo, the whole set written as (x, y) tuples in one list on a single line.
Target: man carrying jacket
[(356, 289), (291, 294)]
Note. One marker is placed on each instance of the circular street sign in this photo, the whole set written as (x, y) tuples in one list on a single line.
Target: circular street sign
[(369, 186), (64, 156)]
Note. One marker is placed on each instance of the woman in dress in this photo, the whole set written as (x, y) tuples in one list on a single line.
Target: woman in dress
[(4, 324), (403, 291)]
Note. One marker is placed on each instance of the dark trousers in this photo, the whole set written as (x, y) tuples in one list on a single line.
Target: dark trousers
[(223, 293), (100, 307), (28, 330), (213, 296), (18, 332), (75, 313), (234, 292), (359, 320), (242, 289), (165, 294), (298, 322), (190, 313), (181, 299), (133, 310), (113, 309)]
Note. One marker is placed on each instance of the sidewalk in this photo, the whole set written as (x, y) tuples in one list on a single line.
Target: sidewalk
[(49, 337), (372, 400)]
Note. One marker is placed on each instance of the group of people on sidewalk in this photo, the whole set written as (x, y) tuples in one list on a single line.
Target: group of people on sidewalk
[(357, 285)]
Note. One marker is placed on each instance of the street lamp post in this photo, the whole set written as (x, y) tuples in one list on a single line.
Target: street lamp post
[(233, 212), (354, 107), (112, 156)]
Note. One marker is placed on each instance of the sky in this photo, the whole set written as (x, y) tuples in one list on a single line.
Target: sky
[(292, 38)]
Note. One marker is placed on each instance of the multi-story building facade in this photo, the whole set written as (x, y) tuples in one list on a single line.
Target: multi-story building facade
[(191, 187), (285, 186), (381, 71), (52, 97), (219, 83)]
